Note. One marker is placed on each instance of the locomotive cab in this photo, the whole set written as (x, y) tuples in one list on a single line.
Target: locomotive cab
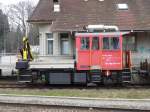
[(102, 52)]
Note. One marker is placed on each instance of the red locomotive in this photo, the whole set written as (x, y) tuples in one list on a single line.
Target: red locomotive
[(102, 55), (99, 59), (101, 51)]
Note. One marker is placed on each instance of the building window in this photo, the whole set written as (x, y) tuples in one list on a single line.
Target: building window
[(64, 43), (49, 37), (85, 43), (95, 43), (111, 43), (122, 6)]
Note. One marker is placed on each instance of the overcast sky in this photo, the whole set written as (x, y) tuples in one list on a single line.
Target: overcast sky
[(8, 2)]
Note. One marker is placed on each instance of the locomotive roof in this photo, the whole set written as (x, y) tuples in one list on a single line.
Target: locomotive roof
[(101, 33)]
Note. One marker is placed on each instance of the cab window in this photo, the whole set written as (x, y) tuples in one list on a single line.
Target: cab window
[(85, 43), (115, 42), (95, 43), (111, 43), (106, 43)]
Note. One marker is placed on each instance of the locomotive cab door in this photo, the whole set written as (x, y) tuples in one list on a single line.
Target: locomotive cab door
[(95, 53), (112, 52), (82, 52), (88, 53)]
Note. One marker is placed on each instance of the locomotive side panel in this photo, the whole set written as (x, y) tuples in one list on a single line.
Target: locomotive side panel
[(111, 60)]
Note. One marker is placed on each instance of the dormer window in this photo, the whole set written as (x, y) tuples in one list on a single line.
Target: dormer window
[(56, 6), (122, 6)]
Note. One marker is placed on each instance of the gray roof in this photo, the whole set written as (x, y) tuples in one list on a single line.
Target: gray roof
[(75, 14)]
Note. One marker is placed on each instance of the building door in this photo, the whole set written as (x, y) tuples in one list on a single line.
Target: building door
[(64, 47)]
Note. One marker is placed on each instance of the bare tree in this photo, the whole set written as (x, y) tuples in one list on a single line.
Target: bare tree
[(19, 13), (4, 29)]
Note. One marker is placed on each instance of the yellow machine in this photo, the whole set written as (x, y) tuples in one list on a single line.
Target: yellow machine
[(22, 65), (26, 50)]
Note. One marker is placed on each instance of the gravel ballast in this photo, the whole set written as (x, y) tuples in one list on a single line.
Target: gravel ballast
[(77, 102)]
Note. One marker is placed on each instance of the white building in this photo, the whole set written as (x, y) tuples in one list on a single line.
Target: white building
[(58, 20)]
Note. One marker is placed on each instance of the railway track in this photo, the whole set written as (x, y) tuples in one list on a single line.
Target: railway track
[(21, 85), (73, 104), (15, 84), (11, 82), (7, 85), (56, 108)]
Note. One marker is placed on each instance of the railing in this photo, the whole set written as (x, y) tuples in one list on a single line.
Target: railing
[(7, 63), (127, 61), (8, 59), (137, 57), (39, 58)]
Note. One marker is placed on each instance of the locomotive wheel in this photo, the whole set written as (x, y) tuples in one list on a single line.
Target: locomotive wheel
[(107, 80), (114, 79)]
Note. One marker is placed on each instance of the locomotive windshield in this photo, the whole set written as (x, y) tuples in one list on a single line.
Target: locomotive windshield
[(85, 45), (95, 43), (111, 43)]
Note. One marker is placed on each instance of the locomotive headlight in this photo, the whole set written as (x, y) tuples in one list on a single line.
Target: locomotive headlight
[(107, 73)]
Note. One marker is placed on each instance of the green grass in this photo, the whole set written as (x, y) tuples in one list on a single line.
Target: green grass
[(91, 93)]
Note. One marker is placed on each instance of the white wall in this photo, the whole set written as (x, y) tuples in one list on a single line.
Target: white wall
[(46, 28), (8, 60), (7, 64), (56, 47), (43, 29)]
